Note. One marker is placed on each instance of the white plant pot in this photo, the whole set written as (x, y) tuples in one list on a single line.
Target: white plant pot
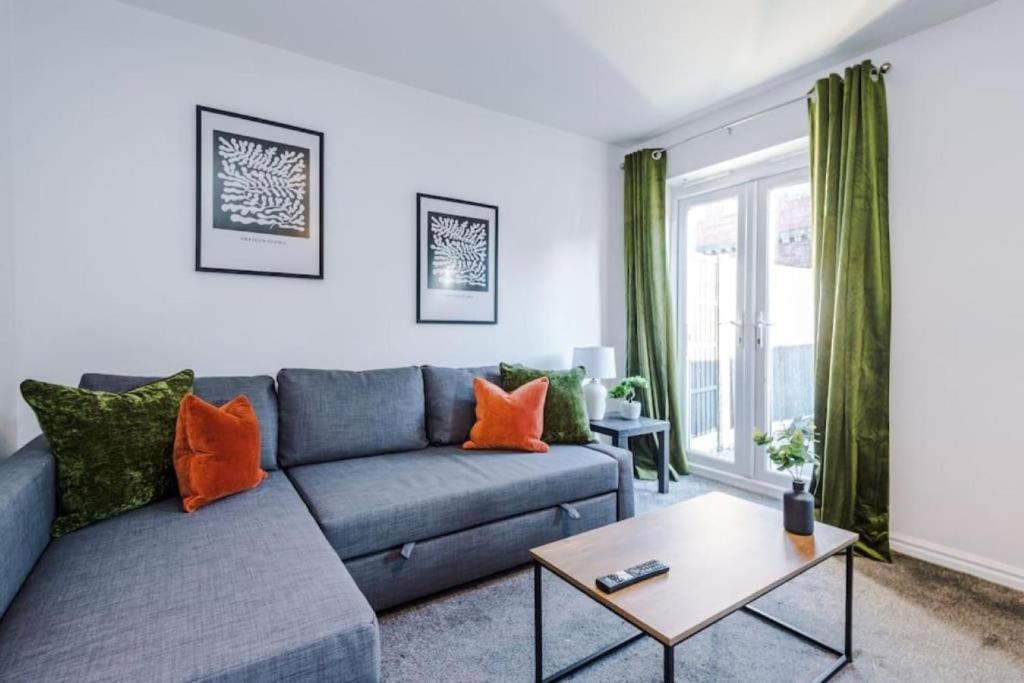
[(630, 409)]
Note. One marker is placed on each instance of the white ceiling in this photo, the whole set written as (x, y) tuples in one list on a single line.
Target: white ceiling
[(614, 70)]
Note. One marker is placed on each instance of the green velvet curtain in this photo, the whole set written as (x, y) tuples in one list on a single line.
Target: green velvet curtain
[(850, 198), (650, 335)]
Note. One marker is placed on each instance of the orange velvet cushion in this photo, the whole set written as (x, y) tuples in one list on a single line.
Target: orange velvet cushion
[(509, 420), (216, 450)]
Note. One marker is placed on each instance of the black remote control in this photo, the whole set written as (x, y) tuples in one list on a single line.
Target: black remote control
[(627, 577)]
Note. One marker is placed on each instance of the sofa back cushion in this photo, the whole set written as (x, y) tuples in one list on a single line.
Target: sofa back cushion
[(451, 405), (218, 391), (337, 414)]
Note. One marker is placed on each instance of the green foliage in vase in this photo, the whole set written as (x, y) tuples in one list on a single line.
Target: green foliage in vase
[(790, 448), (626, 389)]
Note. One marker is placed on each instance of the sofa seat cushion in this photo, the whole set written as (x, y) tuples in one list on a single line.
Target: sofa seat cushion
[(366, 505), (246, 589)]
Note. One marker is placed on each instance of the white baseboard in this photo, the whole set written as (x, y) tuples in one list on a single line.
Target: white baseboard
[(739, 482), (981, 567)]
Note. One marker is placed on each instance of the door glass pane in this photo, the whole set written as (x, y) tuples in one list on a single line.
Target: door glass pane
[(712, 231), (789, 352)]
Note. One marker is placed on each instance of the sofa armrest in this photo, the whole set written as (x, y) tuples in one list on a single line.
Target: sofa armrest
[(626, 496), (28, 501)]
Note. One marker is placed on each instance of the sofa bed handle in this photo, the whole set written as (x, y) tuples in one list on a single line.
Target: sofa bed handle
[(571, 511), (407, 549)]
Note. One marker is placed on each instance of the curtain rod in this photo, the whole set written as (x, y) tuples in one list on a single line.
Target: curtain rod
[(727, 127)]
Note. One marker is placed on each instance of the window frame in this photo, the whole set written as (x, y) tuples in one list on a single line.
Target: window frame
[(762, 376), (751, 180)]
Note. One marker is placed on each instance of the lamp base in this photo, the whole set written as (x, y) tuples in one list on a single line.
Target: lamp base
[(595, 395)]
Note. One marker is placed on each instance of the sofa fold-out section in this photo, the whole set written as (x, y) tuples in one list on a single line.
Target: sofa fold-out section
[(366, 505), (247, 589), (388, 578)]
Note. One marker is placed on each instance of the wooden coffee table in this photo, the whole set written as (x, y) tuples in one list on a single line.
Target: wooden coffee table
[(723, 553)]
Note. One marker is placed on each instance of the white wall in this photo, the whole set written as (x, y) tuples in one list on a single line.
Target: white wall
[(104, 209), (956, 119), (613, 266), (8, 390)]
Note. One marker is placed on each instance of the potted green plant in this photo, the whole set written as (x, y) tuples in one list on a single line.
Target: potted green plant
[(790, 449), (626, 390)]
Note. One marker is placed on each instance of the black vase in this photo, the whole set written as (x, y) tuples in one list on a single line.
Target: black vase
[(798, 510)]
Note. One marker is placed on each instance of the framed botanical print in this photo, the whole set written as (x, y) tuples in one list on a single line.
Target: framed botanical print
[(259, 196), (456, 261)]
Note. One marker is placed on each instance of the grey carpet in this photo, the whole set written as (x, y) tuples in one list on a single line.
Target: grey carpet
[(912, 622)]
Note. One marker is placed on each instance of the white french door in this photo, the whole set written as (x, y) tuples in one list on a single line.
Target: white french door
[(746, 330)]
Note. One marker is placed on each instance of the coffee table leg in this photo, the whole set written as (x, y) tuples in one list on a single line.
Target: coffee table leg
[(538, 635), (848, 644), (538, 639), (663, 464), (670, 664)]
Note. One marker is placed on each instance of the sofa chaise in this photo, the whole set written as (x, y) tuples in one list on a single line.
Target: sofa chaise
[(369, 503)]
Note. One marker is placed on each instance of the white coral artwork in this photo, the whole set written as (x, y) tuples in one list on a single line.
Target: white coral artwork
[(261, 186), (457, 252)]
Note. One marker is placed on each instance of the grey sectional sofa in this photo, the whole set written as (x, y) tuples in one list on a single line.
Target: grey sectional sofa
[(369, 503)]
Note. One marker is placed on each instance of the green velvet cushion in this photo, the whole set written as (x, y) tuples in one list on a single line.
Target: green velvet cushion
[(565, 413), (113, 451)]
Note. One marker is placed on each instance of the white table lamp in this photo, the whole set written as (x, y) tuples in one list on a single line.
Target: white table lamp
[(598, 363)]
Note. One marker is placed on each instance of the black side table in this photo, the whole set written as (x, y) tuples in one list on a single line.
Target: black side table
[(621, 429)]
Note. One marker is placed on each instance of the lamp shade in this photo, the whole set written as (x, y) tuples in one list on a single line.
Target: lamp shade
[(597, 361)]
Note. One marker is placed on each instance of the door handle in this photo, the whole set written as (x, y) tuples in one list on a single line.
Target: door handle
[(739, 329), (761, 326)]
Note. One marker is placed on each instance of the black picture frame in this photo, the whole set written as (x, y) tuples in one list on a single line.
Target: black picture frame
[(200, 111), (420, 197)]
